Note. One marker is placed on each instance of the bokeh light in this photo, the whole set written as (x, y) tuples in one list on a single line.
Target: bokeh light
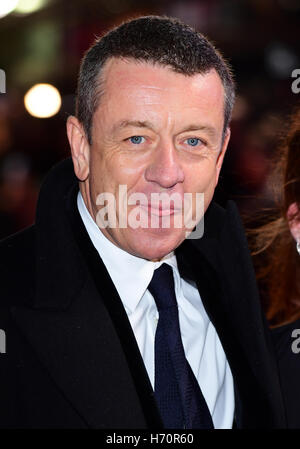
[(42, 101), (7, 6), (29, 6)]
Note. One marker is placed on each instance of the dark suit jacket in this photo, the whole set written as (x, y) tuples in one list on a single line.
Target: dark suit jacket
[(71, 357)]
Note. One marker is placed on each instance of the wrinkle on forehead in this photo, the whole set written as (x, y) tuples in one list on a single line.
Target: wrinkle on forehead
[(153, 87), (145, 97), (128, 76), (157, 95)]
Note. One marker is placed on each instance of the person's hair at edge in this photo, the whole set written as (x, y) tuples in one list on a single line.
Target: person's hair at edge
[(278, 262), (158, 40)]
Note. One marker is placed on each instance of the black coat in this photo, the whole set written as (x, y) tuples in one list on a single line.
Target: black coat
[(287, 344), (71, 358)]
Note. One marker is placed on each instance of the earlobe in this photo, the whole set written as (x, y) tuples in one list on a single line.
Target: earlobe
[(293, 218), (80, 148)]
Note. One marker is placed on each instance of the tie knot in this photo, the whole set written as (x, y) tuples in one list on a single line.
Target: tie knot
[(162, 288)]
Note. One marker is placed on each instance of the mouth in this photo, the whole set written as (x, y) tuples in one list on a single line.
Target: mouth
[(160, 211)]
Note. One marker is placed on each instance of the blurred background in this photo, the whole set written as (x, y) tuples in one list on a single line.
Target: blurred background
[(42, 42)]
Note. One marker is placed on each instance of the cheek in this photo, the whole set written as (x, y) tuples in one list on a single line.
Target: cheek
[(201, 179), (110, 170)]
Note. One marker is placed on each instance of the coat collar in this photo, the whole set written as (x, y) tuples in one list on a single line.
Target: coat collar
[(57, 283)]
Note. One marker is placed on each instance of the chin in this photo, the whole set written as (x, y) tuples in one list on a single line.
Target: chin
[(156, 245)]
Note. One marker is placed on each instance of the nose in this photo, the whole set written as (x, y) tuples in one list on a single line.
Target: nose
[(165, 168)]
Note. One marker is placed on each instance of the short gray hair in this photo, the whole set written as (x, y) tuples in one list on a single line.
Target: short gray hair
[(163, 40)]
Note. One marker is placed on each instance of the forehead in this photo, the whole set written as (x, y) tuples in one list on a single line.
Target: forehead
[(129, 73), (146, 87)]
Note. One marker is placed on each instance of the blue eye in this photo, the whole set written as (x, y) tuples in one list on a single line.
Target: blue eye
[(136, 139), (192, 141)]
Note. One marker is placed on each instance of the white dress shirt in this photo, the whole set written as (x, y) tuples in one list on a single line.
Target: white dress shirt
[(131, 276)]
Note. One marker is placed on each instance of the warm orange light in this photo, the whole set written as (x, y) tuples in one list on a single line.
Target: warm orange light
[(42, 100)]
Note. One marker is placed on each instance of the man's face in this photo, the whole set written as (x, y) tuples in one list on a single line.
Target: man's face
[(154, 131)]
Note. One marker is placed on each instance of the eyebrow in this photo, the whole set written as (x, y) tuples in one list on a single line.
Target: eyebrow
[(197, 127), (145, 124), (134, 123)]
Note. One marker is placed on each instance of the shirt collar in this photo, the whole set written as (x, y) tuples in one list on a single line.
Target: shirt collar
[(130, 274)]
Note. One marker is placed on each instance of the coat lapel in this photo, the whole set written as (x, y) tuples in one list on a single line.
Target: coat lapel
[(82, 352)]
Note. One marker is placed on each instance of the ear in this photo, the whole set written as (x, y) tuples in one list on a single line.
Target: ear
[(80, 148), (293, 217), (222, 154)]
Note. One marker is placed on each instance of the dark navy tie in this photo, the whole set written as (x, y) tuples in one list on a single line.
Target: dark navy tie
[(177, 392)]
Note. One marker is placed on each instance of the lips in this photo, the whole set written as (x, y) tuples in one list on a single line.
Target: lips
[(159, 210)]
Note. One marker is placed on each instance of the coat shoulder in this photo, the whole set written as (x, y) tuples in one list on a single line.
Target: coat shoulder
[(223, 224)]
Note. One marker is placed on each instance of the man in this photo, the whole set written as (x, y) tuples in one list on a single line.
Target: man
[(89, 341)]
